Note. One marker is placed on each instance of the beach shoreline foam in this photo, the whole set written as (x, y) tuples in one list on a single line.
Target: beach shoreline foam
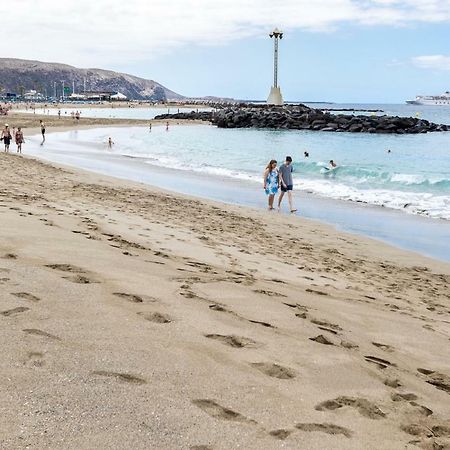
[(134, 317)]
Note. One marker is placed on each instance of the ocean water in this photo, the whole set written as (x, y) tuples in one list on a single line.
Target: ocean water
[(113, 113), (414, 178)]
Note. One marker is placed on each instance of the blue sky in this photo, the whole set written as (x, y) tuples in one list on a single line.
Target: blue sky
[(352, 64), (333, 50)]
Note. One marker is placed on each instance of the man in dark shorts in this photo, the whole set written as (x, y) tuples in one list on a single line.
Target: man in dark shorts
[(286, 182), (42, 131), (6, 137)]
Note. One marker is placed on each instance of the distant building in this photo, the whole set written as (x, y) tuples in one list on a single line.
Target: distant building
[(97, 96), (118, 97), (33, 95)]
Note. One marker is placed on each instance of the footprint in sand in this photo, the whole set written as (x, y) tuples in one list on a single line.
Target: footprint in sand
[(156, 317), (422, 410), (35, 359), (234, 341), (436, 379), (14, 311), (264, 324), (274, 370), (327, 428), (399, 397), (379, 362), (312, 291), (125, 377), (385, 347), (217, 411), (129, 297), (269, 293), (9, 256), (80, 279), (66, 268), (362, 405), (281, 434), (324, 323), (26, 296), (36, 332), (321, 339), (393, 383)]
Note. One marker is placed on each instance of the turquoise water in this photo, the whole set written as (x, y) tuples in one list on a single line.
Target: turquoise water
[(414, 177)]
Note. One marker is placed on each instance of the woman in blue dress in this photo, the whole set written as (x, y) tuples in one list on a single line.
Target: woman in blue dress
[(271, 181)]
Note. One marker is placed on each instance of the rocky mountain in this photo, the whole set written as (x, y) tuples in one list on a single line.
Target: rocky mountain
[(18, 76)]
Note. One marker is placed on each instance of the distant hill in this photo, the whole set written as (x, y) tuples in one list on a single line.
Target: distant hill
[(19, 75)]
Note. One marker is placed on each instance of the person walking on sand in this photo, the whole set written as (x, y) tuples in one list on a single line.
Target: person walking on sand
[(19, 139), (286, 183), (167, 126), (271, 182), (150, 127), (42, 131), (6, 137)]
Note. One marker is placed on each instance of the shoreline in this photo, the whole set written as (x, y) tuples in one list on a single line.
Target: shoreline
[(384, 224), (133, 315)]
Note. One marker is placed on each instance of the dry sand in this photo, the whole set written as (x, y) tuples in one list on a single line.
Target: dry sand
[(135, 318), (30, 123)]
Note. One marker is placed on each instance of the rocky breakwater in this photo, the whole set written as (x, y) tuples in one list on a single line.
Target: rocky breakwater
[(300, 117)]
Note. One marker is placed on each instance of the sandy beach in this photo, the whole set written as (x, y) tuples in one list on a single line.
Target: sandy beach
[(30, 122), (136, 318)]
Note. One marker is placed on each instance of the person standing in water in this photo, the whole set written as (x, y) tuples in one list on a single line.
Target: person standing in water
[(333, 165), (6, 137), (110, 142), (271, 182), (286, 183), (19, 139), (42, 132)]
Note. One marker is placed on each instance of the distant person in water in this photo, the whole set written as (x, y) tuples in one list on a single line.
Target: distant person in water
[(6, 137), (167, 126), (333, 165), (19, 139), (271, 182), (306, 154), (389, 150), (110, 142), (286, 183), (42, 124)]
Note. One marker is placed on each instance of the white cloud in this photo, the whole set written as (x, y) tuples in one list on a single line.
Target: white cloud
[(436, 62), (109, 32)]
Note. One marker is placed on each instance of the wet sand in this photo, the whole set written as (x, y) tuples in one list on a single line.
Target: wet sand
[(134, 317)]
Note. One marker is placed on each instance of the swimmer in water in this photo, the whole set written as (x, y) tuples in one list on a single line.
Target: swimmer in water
[(306, 154), (333, 165)]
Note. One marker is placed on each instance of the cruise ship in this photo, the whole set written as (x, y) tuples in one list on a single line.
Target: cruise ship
[(433, 100)]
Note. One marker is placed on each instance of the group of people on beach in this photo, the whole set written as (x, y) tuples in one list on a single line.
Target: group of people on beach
[(7, 136)]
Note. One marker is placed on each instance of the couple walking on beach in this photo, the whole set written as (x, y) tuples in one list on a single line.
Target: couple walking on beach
[(7, 137), (281, 178)]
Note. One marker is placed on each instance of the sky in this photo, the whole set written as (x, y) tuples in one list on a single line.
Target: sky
[(378, 51)]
